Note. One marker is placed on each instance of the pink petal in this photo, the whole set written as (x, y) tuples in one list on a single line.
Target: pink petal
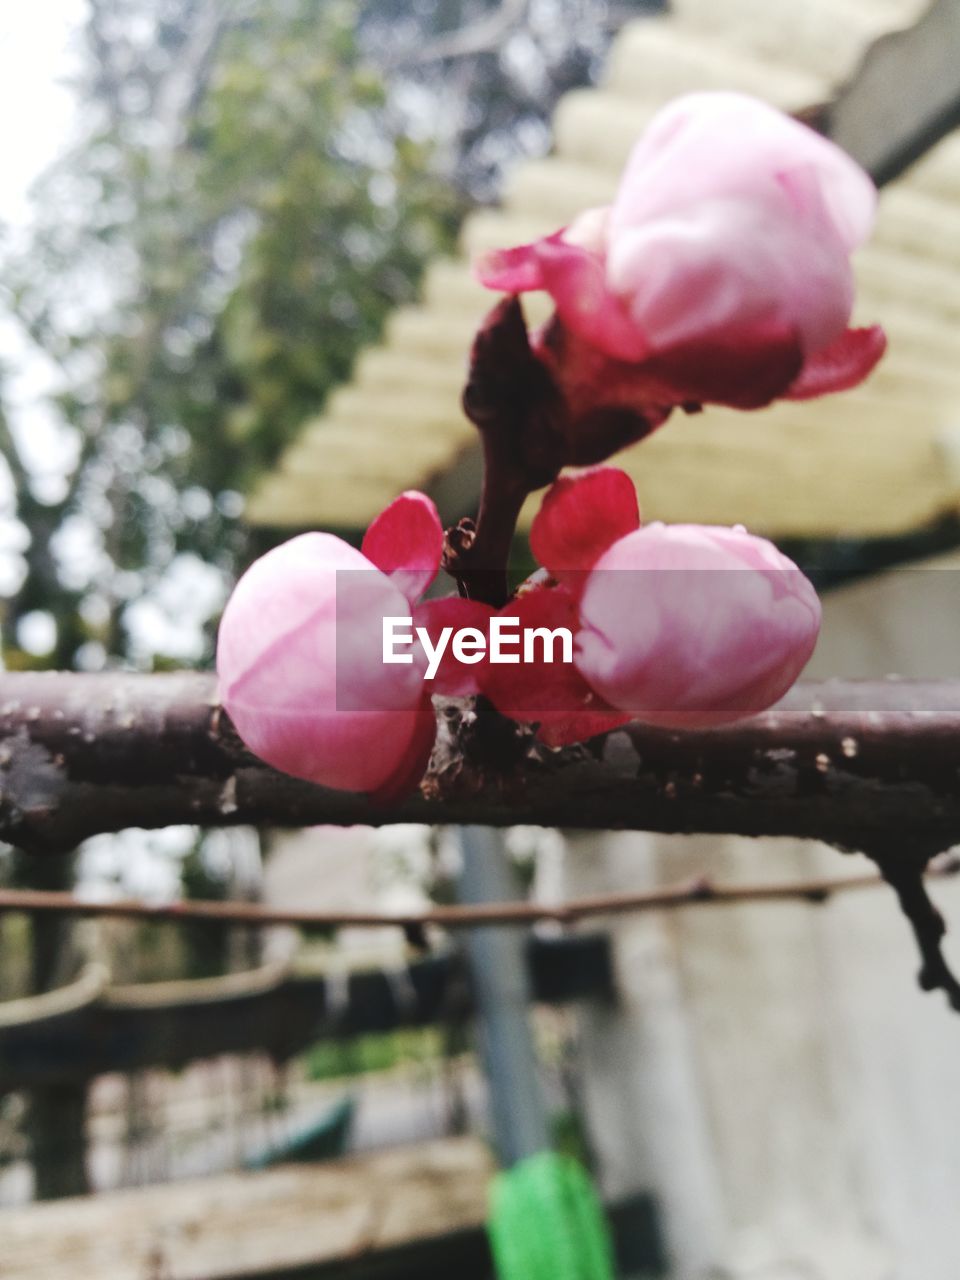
[(689, 625), (708, 144), (454, 679), (298, 661), (406, 542), (842, 365), (413, 763), (580, 517), (576, 279), (345, 750), (721, 264), (511, 270), (524, 691)]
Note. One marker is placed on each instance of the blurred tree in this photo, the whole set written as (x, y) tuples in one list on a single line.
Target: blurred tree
[(254, 185), (481, 77), (240, 211)]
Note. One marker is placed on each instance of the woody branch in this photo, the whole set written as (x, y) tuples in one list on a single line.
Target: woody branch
[(858, 764)]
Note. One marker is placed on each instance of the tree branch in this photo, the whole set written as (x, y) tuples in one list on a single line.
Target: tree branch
[(485, 36), (863, 765), (701, 891)]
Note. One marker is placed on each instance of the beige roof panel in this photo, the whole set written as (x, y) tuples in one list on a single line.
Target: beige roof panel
[(881, 459)]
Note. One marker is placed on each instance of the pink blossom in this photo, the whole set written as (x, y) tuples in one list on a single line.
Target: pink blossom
[(299, 654), (720, 273), (691, 625), (683, 626)]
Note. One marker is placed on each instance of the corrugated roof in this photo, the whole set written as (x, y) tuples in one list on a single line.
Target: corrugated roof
[(881, 459)]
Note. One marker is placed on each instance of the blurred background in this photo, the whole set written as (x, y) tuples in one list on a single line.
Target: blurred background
[(235, 303)]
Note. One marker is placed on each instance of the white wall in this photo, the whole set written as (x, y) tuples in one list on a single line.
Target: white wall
[(773, 1072)]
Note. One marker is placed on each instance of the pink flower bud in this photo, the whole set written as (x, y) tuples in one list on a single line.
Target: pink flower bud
[(684, 626), (300, 653), (689, 626), (277, 663), (721, 272)]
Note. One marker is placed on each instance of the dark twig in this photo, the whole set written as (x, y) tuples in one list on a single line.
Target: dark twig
[(697, 892), (905, 870)]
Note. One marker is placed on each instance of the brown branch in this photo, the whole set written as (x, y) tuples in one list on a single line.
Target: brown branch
[(485, 36), (513, 402), (904, 869), (856, 764), (700, 891)]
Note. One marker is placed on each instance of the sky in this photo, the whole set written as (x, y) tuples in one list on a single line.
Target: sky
[(38, 52), (35, 105), (37, 56)]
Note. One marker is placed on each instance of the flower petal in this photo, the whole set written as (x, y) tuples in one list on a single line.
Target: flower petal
[(406, 542), (721, 265), (690, 625), (413, 763), (576, 279), (298, 662), (454, 679), (840, 366), (708, 144), (580, 517), (514, 270)]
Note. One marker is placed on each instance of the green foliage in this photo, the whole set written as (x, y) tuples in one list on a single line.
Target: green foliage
[(361, 1055), (240, 214), (255, 184)]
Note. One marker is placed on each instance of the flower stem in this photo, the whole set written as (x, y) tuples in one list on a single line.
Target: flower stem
[(511, 398)]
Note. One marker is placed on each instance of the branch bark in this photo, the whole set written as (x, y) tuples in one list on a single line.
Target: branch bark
[(864, 765)]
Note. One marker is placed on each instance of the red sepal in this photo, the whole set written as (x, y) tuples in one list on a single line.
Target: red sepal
[(454, 679), (552, 695), (406, 542), (745, 369), (842, 365), (580, 517)]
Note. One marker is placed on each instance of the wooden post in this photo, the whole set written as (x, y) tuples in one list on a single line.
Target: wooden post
[(56, 1116)]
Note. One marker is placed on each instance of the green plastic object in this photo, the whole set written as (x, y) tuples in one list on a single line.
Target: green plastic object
[(547, 1223)]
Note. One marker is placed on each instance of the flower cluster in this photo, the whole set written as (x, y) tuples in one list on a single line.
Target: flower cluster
[(720, 273), (685, 626)]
